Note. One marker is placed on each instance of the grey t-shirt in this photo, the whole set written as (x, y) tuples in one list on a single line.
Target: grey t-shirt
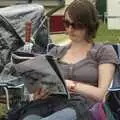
[(85, 70)]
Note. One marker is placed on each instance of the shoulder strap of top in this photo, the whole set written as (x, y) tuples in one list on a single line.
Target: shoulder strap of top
[(95, 50)]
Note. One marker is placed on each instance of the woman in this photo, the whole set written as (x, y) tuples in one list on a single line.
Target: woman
[(87, 67)]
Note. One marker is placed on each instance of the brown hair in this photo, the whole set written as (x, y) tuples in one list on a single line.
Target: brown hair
[(84, 12)]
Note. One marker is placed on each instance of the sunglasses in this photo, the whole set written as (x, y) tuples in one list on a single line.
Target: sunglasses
[(76, 25)]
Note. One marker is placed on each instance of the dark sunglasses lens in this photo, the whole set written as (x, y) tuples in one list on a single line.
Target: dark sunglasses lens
[(74, 25), (77, 26), (66, 23)]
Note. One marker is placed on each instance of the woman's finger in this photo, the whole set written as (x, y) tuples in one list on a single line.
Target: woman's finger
[(41, 94)]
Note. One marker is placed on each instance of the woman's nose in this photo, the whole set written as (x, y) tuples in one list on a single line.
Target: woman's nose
[(69, 28)]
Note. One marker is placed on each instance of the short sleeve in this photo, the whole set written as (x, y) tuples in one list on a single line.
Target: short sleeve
[(107, 55)]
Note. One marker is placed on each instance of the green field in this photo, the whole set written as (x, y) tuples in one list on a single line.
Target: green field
[(107, 36), (103, 35)]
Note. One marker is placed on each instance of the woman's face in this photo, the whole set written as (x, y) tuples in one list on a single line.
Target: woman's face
[(75, 31)]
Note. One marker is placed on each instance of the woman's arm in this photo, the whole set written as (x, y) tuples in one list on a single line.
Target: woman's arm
[(105, 72)]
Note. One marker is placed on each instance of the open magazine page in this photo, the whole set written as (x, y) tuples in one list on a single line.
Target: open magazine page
[(42, 71), (53, 62)]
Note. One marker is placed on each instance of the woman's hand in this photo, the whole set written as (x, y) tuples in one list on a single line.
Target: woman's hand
[(70, 84), (41, 94)]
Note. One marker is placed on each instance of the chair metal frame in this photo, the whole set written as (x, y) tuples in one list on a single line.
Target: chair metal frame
[(6, 88)]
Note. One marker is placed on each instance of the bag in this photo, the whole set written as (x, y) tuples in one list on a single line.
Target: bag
[(101, 111), (98, 112)]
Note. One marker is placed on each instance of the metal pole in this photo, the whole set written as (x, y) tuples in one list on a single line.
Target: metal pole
[(7, 97)]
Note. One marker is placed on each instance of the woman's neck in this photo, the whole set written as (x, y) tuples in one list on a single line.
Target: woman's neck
[(77, 52), (82, 45)]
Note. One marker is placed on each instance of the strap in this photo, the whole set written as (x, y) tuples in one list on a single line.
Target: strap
[(95, 50), (118, 53)]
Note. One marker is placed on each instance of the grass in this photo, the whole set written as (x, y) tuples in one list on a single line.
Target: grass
[(107, 36), (103, 35), (3, 110)]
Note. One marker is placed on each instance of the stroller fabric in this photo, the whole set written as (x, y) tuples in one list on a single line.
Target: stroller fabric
[(12, 29), (12, 36)]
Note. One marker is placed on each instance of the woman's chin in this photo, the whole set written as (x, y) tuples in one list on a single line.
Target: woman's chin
[(72, 37)]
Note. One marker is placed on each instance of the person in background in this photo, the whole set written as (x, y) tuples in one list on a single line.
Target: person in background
[(88, 67)]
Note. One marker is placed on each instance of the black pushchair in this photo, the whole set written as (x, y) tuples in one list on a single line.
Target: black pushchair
[(12, 36)]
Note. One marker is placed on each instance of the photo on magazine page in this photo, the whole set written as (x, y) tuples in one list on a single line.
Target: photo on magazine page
[(42, 72)]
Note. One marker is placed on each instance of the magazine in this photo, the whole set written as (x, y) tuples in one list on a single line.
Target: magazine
[(42, 71)]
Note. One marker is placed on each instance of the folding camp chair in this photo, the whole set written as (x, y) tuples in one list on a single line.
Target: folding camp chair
[(113, 96), (8, 99)]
